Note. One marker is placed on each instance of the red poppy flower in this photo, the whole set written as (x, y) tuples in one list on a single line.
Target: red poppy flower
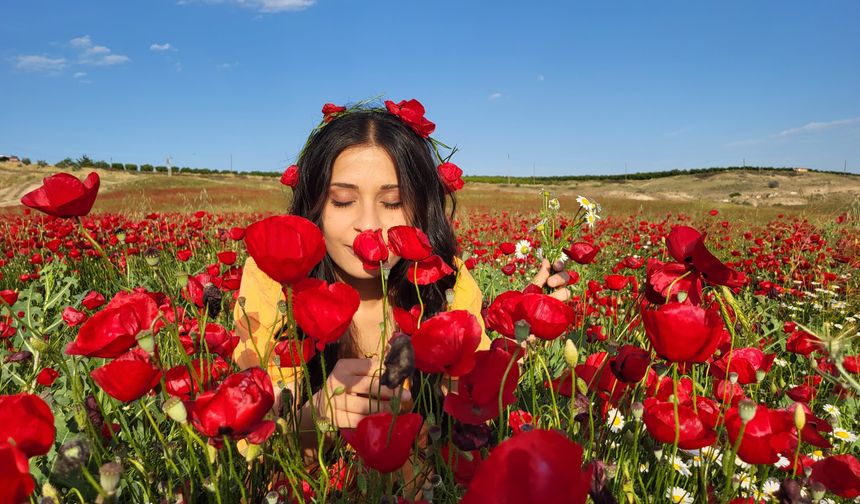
[(409, 243), (73, 317), (687, 246), (615, 282), (665, 281), (446, 343), (236, 407), (412, 113), (370, 248), (330, 110), (428, 271), (93, 300), (218, 339), (681, 332), (451, 176), (63, 195), (179, 382), (768, 434), (478, 391), (381, 447), (47, 376), (16, 483), (28, 420), (237, 233), (502, 313), (692, 433), (290, 177), (9, 296), (509, 269), (113, 330), (803, 343), (538, 466), (519, 418), (630, 364), (838, 473), (463, 466), (285, 247), (227, 257), (596, 373), (183, 255), (743, 361), (582, 252), (507, 248), (128, 377), (406, 320), (294, 353), (547, 317), (324, 312)]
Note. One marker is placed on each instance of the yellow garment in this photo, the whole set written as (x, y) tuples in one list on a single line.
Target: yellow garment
[(260, 319)]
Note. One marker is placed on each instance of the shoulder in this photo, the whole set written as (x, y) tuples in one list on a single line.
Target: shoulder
[(466, 290)]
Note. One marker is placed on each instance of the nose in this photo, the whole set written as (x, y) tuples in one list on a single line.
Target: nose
[(367, 218)]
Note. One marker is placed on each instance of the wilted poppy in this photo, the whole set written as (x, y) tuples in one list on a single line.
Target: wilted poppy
[(128, 377), (63, 195), (285, 247), (381, 447), (538, 466)]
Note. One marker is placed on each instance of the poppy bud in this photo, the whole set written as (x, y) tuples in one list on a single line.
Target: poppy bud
[(273, 497), (799, 417), (399, 362), (212, 300), (253, 452), (637, 409), (571, 354), (449, 296), (521, 330), (435, 432), (746, 410), (241, 301), (175, 409), (151, 255), (818, 491), (109, 477), (733, 377), (182, 279), (146, 341), (759, 375)]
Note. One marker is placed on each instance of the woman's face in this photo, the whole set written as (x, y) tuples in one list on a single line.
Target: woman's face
[(363, 195)]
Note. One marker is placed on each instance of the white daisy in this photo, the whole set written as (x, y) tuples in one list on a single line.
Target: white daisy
[(591, 218), (844, 435), (744, 479), (680, 466), (523, 248), (832, 409), (770, 486), (678, 495), (782, 463), (585, 203), (553, 204), (816, 455), (614, 420)]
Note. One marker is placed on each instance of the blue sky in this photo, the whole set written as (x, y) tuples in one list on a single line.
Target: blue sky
[(558, 87)]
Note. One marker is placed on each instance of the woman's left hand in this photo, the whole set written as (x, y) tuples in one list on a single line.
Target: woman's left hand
[(556, 281)]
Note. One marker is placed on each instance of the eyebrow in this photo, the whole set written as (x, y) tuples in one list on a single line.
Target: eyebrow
[(386, 187)]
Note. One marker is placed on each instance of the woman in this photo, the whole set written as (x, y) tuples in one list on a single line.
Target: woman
[(363, 169)]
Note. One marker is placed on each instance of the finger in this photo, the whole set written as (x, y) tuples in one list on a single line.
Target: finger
[(558, 266), (562, 294), (558, 279), (357, 367), (346, 420), (364, 405), (366, 385), (542, 274)]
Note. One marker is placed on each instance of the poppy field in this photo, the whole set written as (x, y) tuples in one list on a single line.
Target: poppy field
[(699, 358)]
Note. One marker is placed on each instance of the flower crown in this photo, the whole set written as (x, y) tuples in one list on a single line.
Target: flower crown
[(411, 112)]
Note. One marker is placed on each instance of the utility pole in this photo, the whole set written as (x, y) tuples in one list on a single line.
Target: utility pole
[(169, 168), (845, 166), (231, 162), (509, 169), (533, 173)]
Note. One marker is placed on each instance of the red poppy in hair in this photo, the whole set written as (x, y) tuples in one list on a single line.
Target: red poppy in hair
[(63, 195), (285, 247), (381, 447), (330, 110), (451, 176), (412, 113), (128, 377), (446, 343), (538, 466)]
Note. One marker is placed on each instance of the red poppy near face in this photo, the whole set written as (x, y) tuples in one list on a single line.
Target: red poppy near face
[(113, 330), (28, 420), (692, 433), (683, 333), (478, 391), (409, 242), (582, 252), (179, 382), (93, 300), (451, 176), (768, 434), (47, 376), (370, 248), (407, 321), (743, 361), (8, 296), (128, 377), (428, 271), (294, 353), (446, 343), (236, 407), (377, 449), (547, 317), (538, 466), (839, 474), (285, 247), (63, 195), (412, 113), (324, 312), (16, 483), (630, 364)]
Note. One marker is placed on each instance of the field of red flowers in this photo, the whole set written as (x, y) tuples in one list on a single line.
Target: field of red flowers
[(696, 361)]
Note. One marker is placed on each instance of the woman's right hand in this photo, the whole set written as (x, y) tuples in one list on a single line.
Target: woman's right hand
[(352, 392)]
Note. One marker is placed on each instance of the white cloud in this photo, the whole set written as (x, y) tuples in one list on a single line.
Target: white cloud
[(263, 5), (162, 47), (812, 127), (495, 96), (78, 75), (540, 77), (226, 66), (84, 41), (38, 63), (98, 55)]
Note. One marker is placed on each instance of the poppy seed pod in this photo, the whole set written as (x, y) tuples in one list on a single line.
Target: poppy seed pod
[(399, 362), (212, 300)]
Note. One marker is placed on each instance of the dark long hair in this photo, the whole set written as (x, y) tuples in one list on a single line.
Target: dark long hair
[(422, 192)]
